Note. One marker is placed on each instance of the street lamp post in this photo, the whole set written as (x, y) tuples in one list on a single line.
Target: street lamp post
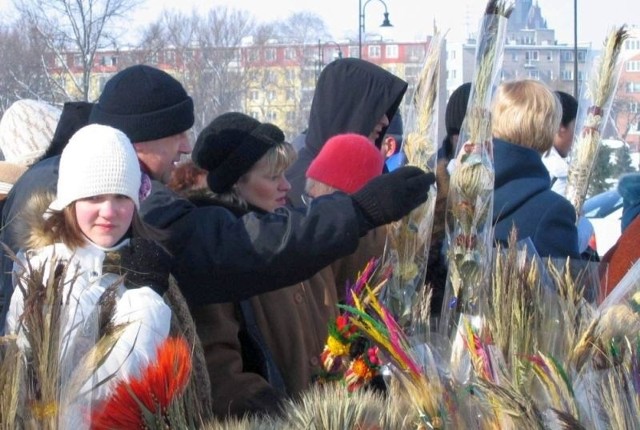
[(575, 50), (321, 54), (361, 8)]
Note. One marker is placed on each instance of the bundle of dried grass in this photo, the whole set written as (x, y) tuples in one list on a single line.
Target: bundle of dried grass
[(41, 322), (469, 233), (11, 379), (521, 312), (331, 407), (597, 98), (409, 239)]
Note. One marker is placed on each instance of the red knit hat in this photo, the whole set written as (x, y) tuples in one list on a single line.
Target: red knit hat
[(346, 162)]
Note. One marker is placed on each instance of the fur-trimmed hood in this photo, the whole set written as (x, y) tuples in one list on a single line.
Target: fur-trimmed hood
[(29, 228)]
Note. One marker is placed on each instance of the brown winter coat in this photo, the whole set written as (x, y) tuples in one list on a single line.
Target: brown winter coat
[(293, 322)]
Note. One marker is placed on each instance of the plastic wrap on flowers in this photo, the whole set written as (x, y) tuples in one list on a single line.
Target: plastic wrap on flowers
[(470, 200), (594, 107), (409, 239)]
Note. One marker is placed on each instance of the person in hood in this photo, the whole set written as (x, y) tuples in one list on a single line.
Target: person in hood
[(525, 117), (352, 96)]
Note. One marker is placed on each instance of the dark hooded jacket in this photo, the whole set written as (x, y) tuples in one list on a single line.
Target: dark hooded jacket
[(350, 97), (523, 198)]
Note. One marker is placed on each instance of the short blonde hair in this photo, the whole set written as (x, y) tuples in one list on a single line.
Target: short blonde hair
[(526, 113), (278, 158)]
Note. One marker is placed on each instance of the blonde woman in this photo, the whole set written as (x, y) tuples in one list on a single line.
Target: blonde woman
[(268, 348), (525, 118)]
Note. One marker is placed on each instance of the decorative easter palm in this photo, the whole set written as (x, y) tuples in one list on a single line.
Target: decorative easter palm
[(597, 99), (470, 201), (150, 401), (409, 238)]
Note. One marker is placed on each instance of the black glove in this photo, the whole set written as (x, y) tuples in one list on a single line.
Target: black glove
[(389, 197), (144, 263)]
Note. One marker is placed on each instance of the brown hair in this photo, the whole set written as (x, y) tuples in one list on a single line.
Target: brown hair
[(186, 177), (526, 113), (65, 228)]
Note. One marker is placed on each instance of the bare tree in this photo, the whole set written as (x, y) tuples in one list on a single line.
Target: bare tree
[(625, 110), (80, 27), (22, 73), (205, 53), (304, 28)]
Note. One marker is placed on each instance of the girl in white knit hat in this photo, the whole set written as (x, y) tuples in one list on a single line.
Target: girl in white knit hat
[(94, 246)]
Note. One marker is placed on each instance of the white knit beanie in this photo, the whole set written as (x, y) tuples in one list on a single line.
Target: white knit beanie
[(97, 160), (26, 130)]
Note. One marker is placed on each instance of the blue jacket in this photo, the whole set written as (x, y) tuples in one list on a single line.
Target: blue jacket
[(523, 198)]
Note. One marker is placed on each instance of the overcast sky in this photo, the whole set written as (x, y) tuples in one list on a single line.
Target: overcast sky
[(414, 18)]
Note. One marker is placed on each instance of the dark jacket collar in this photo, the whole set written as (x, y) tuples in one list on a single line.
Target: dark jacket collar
[(519, 174)]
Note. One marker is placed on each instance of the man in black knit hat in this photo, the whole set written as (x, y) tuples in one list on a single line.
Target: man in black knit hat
[(217, 257)]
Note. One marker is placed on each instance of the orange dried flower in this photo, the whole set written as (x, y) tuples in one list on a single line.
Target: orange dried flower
[(151, 394)]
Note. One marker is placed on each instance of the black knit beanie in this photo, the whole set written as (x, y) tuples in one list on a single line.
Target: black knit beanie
[(457, 109), (145, 103), (230, 145)]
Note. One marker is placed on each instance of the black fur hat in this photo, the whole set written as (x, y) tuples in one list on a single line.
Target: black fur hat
[(230, 145)]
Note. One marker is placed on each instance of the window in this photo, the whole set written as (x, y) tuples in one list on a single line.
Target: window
[(531, 56), (271, 95), (109, 60), (415, 52), (582, 56), (270, 54), (291, 116), (452, 55), (633, 66), (254, 55), (549, 56), (567, 75), (102, 81), (353, 52), (633, 107), (270, 77), (533, 74), (391, 51), (255, 114), (374, 51), (254, 95), (272, 116), (289, 54), (290, 75), (290, 94), (633, 87), (567, 56)]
